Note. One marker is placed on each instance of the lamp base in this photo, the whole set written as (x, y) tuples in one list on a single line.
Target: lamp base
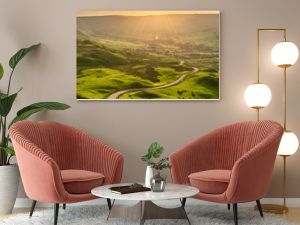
[(276, 209)]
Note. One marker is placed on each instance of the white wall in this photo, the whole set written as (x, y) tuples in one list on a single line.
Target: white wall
[(50, 74)]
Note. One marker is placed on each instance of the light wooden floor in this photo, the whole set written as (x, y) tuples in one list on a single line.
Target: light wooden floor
[(19, 210), (293, 215)]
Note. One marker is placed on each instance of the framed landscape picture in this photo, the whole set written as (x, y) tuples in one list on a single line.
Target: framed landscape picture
[(148, 55)]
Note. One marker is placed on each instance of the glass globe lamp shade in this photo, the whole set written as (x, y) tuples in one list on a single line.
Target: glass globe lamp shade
[(258, 95), (284, 54), (289, 144)]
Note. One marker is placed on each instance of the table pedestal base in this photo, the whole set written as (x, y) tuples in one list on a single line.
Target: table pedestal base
[(147, 210)]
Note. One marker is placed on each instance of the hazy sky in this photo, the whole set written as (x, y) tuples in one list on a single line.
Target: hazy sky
[(138, 13)]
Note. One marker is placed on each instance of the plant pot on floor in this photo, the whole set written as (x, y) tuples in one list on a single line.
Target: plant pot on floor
[(9, 183)]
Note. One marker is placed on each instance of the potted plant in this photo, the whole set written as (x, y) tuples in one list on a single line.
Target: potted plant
[(9, 173), (156, 182)]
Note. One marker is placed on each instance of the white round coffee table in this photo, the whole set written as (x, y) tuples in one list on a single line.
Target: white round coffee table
[(145, 209)]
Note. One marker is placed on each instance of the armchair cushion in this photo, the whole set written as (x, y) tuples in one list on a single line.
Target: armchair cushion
[(211, 181), (81, 181)]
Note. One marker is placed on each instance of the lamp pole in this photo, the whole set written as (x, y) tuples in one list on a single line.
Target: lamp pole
[(284, 182), (285, 208)]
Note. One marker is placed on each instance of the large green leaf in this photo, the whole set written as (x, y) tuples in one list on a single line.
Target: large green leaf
[(27, 111), (16, 58), (44, 105), (155, 150), (2, 95), (1, 71), (25, 115), (9, 150), (6, 103)]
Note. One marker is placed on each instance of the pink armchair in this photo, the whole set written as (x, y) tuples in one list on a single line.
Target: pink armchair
[(60, 164), (231, 165)]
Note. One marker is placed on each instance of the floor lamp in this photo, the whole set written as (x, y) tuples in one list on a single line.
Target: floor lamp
[(284, 54)]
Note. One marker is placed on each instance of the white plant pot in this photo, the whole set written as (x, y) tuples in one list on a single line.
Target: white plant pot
[(148, 176), (9, 183)]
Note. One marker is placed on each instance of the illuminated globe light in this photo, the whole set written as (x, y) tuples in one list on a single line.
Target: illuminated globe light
[(289, 144), (284, 54), (258, 95)]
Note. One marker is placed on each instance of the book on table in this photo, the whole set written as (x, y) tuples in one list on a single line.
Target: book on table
[(129, 189)]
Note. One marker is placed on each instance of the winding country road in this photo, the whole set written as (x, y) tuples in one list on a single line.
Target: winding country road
[(117, 94)]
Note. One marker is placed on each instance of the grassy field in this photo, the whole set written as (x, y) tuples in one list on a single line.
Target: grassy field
[(116, 58), (197, 86)]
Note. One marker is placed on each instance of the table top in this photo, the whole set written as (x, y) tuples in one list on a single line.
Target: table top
[(172, 191)]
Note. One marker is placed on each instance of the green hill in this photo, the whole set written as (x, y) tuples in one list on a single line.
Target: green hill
[(91, 55)]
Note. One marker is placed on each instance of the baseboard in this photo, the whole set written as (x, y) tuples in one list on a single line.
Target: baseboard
[(291, 202)]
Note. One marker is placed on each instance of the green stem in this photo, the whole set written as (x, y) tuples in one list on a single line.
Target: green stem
[(4, 142), (10, 77), (0, 124), (8, 159), (1, 151)]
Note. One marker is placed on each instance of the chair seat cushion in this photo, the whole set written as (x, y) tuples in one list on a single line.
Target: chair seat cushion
[(81, 181), (211, 181)]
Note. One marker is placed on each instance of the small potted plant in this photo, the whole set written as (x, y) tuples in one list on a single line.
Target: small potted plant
[(156, 182)]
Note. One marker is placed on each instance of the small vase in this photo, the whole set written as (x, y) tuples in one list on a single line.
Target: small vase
[(148, 176), (158, 183)]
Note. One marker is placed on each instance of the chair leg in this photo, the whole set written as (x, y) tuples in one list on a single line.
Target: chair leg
[(228, 206), (56, 209), (32, 208), (259, 208), (183, 202), (235, 213), (64, 206), (108, 203)]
